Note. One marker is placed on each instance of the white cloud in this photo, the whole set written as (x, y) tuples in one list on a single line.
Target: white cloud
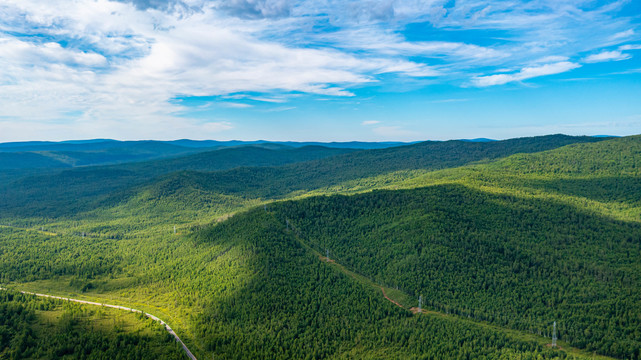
[(280, 109), (551, 59), (370, 122), (392, 44), (607, 56), (22, 52), (151, 57), (237, 105), (622, 35), (268, 100), (630, 47), (254, 9), (110, 62), (525, 73)]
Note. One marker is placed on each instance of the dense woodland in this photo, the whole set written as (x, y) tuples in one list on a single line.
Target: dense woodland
[(251, 172), (37, 328), (296, 306), (499, 248), (511, 261)]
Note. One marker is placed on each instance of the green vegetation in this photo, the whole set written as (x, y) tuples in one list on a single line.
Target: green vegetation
[(298, 178), (296, 306), (72, 192), (514, 262), (527, 232), (37, 328), (60, 155)]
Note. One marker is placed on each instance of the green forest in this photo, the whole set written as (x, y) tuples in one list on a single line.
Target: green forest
[(302, 253), (37, 328)]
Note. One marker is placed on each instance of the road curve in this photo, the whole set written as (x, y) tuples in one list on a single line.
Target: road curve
[(152, 317)]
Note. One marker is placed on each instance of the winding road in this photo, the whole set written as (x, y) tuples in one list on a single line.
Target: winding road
[(152, 317)]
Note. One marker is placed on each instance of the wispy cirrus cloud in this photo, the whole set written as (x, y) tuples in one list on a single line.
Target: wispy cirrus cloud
[(525, 73), (114, 62), (630, 47), (623, 35), (614, 55)]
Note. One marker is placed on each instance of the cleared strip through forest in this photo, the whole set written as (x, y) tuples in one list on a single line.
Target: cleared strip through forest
[(425, 312)]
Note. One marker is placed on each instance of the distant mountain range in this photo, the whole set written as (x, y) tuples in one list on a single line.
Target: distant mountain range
[(104, 144)]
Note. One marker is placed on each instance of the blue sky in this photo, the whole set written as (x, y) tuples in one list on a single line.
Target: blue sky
[(318, 70)]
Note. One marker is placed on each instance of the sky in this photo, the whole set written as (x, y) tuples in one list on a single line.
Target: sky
[(318, 70)]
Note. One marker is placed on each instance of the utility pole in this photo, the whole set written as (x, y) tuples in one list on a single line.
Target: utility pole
[(554, 335)]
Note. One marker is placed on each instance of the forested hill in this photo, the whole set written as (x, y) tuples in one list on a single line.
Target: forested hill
[(258, 173), (620, 156), (67, 154), (278, 181), (73, 190), (228, 158), (63, 155), (499, 249), (520, 242), (516, 262)]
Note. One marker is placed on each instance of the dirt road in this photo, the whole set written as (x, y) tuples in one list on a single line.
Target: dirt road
[(152, 317)]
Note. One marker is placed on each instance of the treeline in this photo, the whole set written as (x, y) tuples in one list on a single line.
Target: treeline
[(36, 328), (513, 261)]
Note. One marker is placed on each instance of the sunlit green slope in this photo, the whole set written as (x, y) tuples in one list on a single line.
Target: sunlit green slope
[(484, 241), (520, 242), (38, 328), (295, 305), (208, 195), (513, 261)]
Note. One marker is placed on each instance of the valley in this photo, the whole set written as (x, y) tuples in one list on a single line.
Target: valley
[(501, 239)]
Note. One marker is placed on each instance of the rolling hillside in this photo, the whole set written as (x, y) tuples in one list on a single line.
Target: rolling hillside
[(75, 190), (525, 233), (66, 155), (274, 182)]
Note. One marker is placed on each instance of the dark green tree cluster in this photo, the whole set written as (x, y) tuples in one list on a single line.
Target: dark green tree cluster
[(512, 261), (298, 307)]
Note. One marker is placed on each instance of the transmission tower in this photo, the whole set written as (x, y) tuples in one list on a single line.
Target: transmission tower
[(287, 221), (420, 303), (554, 335), (174, 229), (327, 251)]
